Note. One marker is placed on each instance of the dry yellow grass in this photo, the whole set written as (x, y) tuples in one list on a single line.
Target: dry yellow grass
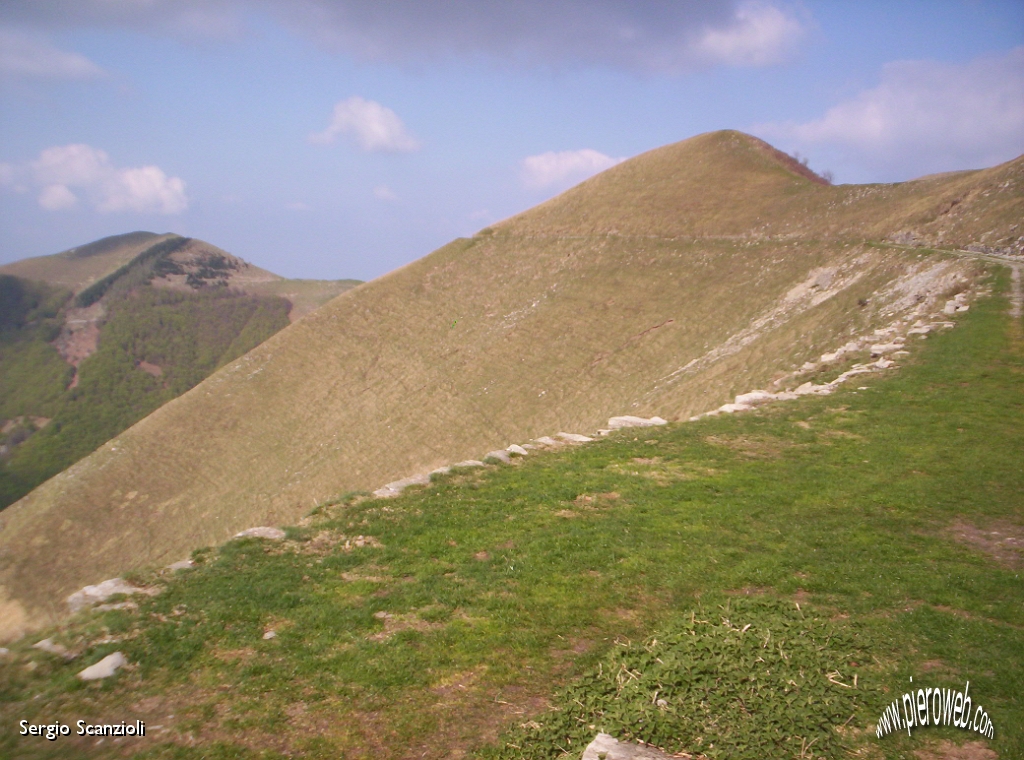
[(663, 286)]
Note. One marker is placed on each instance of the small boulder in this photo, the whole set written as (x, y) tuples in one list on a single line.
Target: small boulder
[(90, 595), (731, 408), (104, 668), (47, 645), (498, 454), (606, 747), (574, 437), (950, 307), (628, 420), (754, 398), (515, 448), (185, 564), (547, 440), (272, 534), (269, 635), (469, 463), (878, 349)]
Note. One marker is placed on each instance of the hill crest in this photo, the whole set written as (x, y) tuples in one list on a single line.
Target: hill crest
[(647, 290)]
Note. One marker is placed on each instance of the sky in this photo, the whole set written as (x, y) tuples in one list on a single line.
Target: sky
[(337, 139)]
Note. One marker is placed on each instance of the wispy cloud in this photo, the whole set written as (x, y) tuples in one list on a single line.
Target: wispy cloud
[(924, 116), (564, 168), (373, 127), (64, 176), (760, 35), (24, 56)]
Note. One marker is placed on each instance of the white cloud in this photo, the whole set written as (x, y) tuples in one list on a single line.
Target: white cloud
[(924, 116), (57, 197), (564, 168), (61, 170), (374, 127), (760, 35), (384, 193), (26, 57)]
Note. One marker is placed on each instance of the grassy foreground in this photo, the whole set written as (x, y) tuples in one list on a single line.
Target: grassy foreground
[(480, 616)]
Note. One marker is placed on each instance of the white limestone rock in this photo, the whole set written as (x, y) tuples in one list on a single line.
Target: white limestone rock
[(754, 398), (90, 595), (515, 448), (105, 668), (731, 408), (574, 437), (606, 747), (263, 531), (48, 646), (628, 420), (499, 454)]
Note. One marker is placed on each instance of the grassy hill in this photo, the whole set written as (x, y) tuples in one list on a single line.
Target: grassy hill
[(745, 587), (665, 285), (110, 331)]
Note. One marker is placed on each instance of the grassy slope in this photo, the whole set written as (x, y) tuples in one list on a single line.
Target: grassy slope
[(552, 320), (492, 590), (76, 268), (184, 334)]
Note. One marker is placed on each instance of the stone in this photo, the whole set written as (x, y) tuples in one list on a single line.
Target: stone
[(441, 471), (922, 330), (185, 564), (548, 441), (731, 408), (810, 389), (574, 437), (626, 421), (884, 363), (808, 367), (499, 454), (47, 645), (469, 463), (879, 349), (104, 668), (950, 307), (397, 486), (269, 635), (753, 398), (606, 747), (272, 534), (515, 448), (4, 651), (829, 358), (90, 595)]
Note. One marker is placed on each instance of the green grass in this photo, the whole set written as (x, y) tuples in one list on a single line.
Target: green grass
[(498, 597)]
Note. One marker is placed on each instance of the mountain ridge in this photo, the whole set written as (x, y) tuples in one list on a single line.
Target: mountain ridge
[(554, 319)]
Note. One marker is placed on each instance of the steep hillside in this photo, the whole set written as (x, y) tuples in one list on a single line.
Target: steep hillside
[(77, 268), (664, 286), (77, 370)]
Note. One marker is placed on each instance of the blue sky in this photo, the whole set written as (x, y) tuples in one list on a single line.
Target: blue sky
[(344, 138)]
